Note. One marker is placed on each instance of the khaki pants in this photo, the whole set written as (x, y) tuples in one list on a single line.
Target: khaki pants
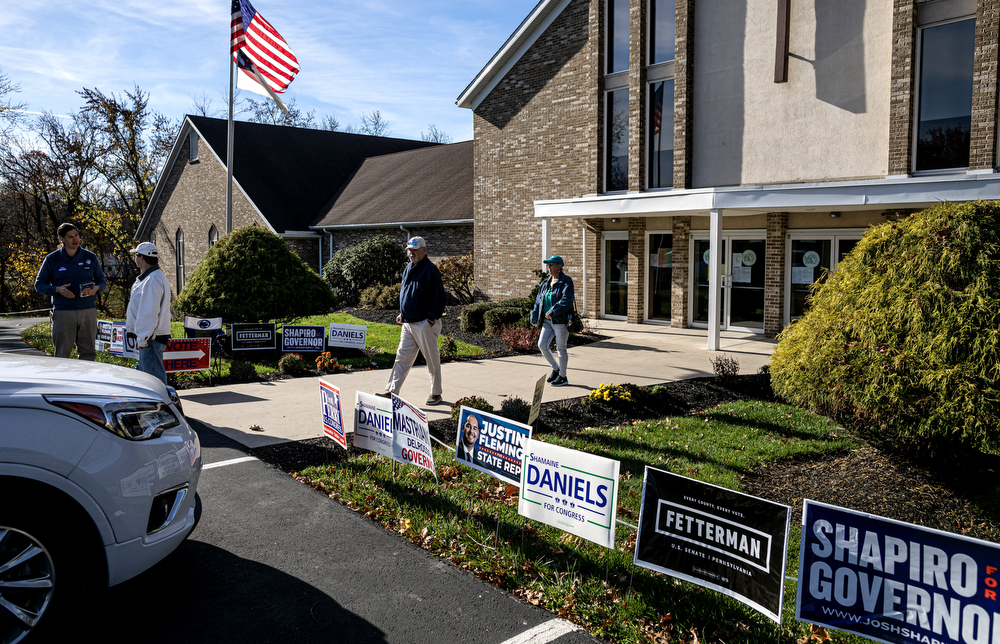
[(75, 327), (422, 337)]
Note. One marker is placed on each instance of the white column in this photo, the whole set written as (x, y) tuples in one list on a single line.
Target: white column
[(714, 279), (546, 239)]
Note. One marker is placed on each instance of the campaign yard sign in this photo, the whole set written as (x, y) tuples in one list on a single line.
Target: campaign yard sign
[(103, 334), (896, 582), (249, 337), (333, 413), (714, 537), (303, 338), (491, 444), (187, 354), (411, 437), (348, 335), (373, 423), (117, 338), (573, 491)]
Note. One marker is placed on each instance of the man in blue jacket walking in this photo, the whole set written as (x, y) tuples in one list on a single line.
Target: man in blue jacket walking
[(421, 305), (72, 277)]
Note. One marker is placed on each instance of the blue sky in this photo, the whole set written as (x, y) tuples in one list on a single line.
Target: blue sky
[(409, 59)]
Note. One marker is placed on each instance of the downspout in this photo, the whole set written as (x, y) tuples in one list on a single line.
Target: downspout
[(405, 232), (583, 226), (320, 253)]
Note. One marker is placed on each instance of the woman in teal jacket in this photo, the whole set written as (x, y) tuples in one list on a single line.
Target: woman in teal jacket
[(551, 312)]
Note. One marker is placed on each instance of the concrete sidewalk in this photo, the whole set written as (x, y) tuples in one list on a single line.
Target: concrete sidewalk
[(288, 410)]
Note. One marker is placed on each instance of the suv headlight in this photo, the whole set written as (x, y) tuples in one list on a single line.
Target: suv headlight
[(135, 420)]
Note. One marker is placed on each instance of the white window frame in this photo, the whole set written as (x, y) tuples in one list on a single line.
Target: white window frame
[(835, 235)]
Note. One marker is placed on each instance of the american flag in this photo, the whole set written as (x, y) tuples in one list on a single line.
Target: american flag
[(657, 108), (255, 44)]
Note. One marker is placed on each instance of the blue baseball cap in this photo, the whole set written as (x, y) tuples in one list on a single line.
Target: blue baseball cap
[(555, 259)]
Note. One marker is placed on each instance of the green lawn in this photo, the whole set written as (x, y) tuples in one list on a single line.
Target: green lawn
[(471, 519)]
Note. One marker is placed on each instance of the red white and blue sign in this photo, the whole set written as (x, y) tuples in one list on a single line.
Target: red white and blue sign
[(187, 354), (333, 413)]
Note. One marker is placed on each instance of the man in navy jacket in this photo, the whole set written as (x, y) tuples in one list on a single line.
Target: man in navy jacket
[(421, 305), (72, 277)]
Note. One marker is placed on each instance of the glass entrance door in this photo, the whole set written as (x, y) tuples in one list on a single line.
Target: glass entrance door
[(742, 283), (616, 276)]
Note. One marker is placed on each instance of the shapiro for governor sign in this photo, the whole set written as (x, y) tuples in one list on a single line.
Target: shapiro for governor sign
[(717, 538), (896, 582)]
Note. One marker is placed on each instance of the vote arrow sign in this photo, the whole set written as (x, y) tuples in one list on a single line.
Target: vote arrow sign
[(187, 354)]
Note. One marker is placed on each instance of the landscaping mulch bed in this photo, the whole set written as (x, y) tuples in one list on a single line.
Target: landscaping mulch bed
[(939, 494)]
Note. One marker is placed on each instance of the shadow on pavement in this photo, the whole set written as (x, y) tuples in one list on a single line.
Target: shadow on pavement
[(202, 593)]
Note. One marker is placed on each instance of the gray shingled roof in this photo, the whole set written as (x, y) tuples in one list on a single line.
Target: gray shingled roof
[(432, 185), (290, 173)]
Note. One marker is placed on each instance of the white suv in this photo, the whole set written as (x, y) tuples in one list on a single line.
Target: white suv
[(98, 477)]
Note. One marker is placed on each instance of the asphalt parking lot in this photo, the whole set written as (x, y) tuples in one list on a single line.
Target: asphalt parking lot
[(276, 561)]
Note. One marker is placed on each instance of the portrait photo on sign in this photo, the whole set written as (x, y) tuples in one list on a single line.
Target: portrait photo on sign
[(491, 444)]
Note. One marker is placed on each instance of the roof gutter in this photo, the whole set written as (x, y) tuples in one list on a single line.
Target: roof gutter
[(397, 224)]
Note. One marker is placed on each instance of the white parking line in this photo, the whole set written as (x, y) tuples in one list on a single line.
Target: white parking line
[(232, 461), (544, 632)]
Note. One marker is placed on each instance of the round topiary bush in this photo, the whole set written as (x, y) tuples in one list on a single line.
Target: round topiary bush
[(249, 276), (515, 408), (905, 336), (292, 363), (240, 370)]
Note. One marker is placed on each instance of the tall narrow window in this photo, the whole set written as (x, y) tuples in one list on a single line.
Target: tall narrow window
[(213, 236), (618, 28), (179, 254), (192, 147), (616, 152), (661, 134), (662, 30), (946, 64)]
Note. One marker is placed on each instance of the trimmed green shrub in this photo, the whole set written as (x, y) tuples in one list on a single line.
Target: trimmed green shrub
[(496, 319), (515, 408), (291, 363), (250, 276), (905, 336), (376, 261), (368, 297), (471, 320), (240, 370)]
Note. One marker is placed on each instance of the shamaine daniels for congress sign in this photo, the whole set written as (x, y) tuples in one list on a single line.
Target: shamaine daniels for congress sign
[(717, 538), (896, 582)]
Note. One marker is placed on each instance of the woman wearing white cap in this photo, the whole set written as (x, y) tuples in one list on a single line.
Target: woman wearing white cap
[(551, 312)]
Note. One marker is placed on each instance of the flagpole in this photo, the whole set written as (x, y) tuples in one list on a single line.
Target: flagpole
[(229, 154)]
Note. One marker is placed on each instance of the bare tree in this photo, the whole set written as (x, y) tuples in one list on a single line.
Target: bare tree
[(373, 124), (331, 123), (266, 111), (434, 135), (10, 112)]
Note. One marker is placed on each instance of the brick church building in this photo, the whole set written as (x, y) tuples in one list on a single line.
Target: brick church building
[(699, 163)]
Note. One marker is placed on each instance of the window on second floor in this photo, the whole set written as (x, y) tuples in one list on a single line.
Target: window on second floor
[(213, 236), (945, 103), (616, 14), (616, 144), (660, 133), (662, 31)]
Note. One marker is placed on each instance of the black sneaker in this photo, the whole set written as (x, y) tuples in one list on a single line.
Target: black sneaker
[(561, 381), (384, 394), (555, 374)]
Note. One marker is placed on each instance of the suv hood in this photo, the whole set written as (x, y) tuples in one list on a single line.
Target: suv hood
[(21, 375)]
